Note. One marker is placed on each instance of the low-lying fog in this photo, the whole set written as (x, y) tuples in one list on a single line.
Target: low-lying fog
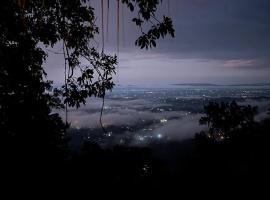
[(135, 116)]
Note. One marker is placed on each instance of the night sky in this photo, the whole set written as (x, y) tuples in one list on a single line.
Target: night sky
[(217, 41)]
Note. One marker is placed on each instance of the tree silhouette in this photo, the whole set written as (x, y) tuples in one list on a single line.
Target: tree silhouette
[(235, 148), (225, 119), (27, 124)]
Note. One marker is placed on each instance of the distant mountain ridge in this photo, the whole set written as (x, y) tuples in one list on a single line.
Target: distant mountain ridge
[(211, 84)]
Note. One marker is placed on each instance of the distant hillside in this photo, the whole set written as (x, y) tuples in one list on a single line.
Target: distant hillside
[(195, 84), (210, 84)]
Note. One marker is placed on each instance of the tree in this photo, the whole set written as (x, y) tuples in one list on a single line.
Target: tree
[(226, 119), (26, 98)]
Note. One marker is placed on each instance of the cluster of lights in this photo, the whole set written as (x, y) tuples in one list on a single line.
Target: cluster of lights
[(160, 109), (141, 138), (76, 124), (163, 120), (218, 136), (145, 168), (109, 134)]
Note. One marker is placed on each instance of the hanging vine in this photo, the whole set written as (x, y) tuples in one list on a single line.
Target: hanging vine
[(118, 35), (65, 76), (102, 24), (103, 95), (21, 4), (123, 24), (118, 25), (108, 14), (74, 23), (169, 7)]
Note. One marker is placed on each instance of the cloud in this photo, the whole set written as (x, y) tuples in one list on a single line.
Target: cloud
[(232, 34), (142, 116), (263, 104), (180, 129), (239, 63), (132, 110), (131, 116)]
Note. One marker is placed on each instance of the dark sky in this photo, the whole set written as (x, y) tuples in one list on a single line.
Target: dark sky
[(217, 41)]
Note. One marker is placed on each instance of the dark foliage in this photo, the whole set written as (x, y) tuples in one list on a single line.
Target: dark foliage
[(146, 13), (33, 139), (225, 120), (29, 130), (33, 142), (234, 152), (26, 98)]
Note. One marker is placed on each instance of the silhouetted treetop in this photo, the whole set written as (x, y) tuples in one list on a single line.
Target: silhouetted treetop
[(73, 24), (224, 119), (26, 97)]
